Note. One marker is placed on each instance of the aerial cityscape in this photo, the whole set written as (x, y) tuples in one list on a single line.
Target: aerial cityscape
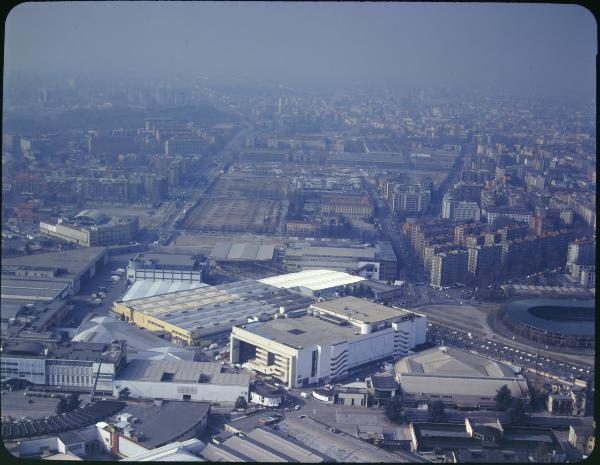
[(298, 232)]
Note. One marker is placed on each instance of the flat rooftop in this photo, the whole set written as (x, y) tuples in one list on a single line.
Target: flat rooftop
[(23, 289), (165, 260), (315, 280), (360, 309), (87, 351), (180, 371), (329, 251), (75, 261), (304, 331), (165, 423)]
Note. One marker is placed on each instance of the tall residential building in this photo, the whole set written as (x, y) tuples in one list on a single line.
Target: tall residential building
[(410, 198), (581, 252), (483, 259), (459, 210), (448, 268)]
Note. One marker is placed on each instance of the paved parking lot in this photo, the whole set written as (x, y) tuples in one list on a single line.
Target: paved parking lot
[(16, 405)]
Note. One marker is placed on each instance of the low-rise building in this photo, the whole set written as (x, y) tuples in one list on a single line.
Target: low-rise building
[(583, 437), (182, 380), (69, 364), (262, 445), (164, 267), (376, 261), (266, 395), (192, 314), (104, 232), (457, 378), (541, 444)]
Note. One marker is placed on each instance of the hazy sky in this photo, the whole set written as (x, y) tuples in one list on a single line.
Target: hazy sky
[(507, 46)]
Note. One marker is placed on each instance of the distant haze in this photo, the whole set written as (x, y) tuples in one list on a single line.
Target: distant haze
[(549, 49)]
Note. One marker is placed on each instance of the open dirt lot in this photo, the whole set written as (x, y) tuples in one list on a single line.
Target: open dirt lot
[(234, 215), (250, 185)]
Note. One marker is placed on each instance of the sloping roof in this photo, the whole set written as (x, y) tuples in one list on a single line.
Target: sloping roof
[(314, 280), (242, 251), (455, 372), (142, 288), (141, 344)]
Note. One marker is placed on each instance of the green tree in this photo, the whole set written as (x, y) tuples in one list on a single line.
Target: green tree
[(438, 412), (62, 406), (503, 398), (241, 402), (516, 413), (73, 402), (393, 410)]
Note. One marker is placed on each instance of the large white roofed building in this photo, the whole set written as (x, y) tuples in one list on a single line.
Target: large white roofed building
[(333, 339)]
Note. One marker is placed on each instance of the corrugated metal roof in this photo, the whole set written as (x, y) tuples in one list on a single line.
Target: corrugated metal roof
[(242, 251)]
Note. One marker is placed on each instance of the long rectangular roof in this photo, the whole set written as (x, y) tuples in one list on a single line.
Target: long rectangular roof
[(263, 445), (314, 280), (143, 288), (22, 289), (242, 251), (183, 372), (360, 309), (303, 331), (328, 251), (212, 309), (75, 260)]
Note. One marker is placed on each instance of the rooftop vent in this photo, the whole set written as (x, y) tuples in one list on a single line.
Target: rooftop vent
[(296, 332)]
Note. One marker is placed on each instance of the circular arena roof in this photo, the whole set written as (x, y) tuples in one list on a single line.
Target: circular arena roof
[(567, 317)]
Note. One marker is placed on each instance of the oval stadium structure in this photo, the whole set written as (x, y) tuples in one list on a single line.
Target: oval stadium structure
[(557, 322)]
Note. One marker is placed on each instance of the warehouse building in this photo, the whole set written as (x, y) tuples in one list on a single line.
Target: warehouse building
[(164, 267), (182, 380), (262, 445), (482, 441), (71, 267), (373, 261), (459, 379), (92, 228), (190, 315), (333, 339), (143, 288), (70, 364)]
